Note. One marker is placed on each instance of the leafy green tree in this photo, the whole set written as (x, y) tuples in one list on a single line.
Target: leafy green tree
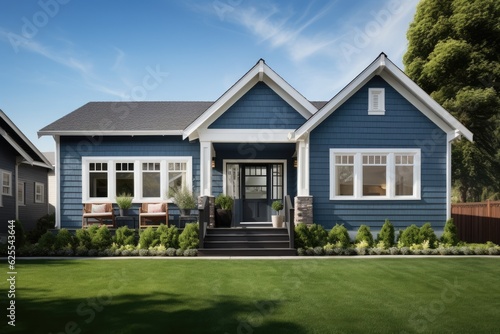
[(453, 54)]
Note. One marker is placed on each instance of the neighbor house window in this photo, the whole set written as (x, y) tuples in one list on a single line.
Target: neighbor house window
[(6, 182), (145, 178), (39, 192), (20, 193), (376, 101), (372, 174)]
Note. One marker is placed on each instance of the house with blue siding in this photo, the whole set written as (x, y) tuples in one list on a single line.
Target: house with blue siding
[(24, 176), (379, 149)]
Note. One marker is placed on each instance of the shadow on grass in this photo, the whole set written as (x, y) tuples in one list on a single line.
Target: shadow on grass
[(155, 313)]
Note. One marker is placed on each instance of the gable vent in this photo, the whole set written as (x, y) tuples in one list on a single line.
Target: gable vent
[(376, 101)]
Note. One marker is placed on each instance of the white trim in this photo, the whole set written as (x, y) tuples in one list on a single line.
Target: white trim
[(256, 161), (244, 135), (448, 180), (206, 155), (303, 170), (137, 161), (17, 147), (387, 70), (260, 72), (390, 172), (97, 133)]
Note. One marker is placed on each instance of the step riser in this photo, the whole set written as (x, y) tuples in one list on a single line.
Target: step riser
[(246, 252), (240, 238), (244, 231), (247, 245)]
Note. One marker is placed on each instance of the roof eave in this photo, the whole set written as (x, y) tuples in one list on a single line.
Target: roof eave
[(109, 133)]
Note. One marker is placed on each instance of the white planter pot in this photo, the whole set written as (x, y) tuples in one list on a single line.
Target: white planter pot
[(277, 220)]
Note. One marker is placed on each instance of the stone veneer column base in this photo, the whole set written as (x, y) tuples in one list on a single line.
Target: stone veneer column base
[(303, 206)]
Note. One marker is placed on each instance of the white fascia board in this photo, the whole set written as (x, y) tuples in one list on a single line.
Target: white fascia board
[(228, 96), (288, 93), (245, 135), (435, 107), (111, 133), (16, 146), (340, 98)]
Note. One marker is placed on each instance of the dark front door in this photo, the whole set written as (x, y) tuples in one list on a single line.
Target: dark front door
[(260, 185)]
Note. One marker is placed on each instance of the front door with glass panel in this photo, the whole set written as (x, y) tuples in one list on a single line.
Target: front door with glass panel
[(254, 187)]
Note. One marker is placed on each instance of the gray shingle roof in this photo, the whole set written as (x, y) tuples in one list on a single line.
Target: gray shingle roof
[(131, 117), (128, 116)]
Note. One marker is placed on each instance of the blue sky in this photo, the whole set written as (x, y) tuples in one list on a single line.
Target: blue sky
[(57, 55)]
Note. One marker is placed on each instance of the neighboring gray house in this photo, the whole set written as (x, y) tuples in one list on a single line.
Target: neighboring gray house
[(379, 149), (24, 176)]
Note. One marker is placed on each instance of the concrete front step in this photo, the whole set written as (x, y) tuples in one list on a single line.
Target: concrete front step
[(246, 244), (246, 252)]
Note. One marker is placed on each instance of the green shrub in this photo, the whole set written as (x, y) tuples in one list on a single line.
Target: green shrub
[(19, 233), (310, 236), (386, 235), (101, 239), (450, 236), (364, 234), (46, 241), (83, 238), (409, 236), (189, 237), (42, 225), (427, 233), (339, 236), (148, 238), (63, 239), (170, 237), (124, 236)]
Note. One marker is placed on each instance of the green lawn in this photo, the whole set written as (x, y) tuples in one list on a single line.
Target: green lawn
[(331, 295)]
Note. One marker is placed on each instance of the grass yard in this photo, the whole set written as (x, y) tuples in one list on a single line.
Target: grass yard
[(328, 295)]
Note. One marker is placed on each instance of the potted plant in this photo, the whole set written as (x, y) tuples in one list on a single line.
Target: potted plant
[(124, 201), (224, 204), (277, 219), (184, 199)]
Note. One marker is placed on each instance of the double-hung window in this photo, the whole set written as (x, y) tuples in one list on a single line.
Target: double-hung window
[(374, 174), (6, 182), (145, 178), (39, 192)]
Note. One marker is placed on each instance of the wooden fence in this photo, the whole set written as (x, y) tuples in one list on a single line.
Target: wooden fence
[(477, 222)]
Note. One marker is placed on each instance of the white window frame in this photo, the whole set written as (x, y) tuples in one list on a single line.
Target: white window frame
[(138, 161), (39, 192), (378, 93), (9, 186), (390, 173), (21, 194)]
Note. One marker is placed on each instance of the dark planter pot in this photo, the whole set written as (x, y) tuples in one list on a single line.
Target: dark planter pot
[(185, 212), (123, 212), (223, 218)]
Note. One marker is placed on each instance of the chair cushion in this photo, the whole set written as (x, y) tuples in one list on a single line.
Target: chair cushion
[(98, 208), (154, 208)]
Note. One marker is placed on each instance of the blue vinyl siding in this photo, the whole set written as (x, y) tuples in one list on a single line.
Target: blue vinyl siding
[(402, 126), (74, 148), (259, 108)]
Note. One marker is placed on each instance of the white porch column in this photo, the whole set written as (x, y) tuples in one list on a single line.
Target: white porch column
[(206, 154), (303, 167)]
